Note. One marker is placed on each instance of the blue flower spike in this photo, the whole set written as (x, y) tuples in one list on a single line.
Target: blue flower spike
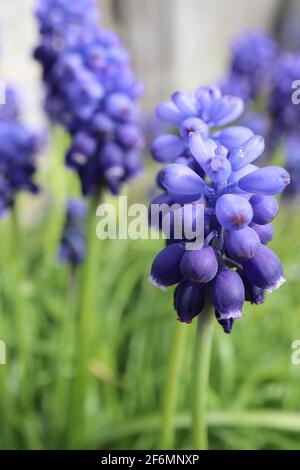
[(212, 163)]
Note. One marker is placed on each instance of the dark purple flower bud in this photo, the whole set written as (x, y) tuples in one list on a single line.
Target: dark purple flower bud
[(129, 135), (199, 265), (103, 125), (253, 294), (233, 212), (111, 161), (191, 125), (228, 294), (189, 300), (265, 209), (169, 112), (270, 180), (132, 164), (167, 147), (247, 153), (83, 95), (226, 324), (68, 66), (165, 269), (118, 105), (242, 244), (186, 103), (226, 110), (265, 270), (181, 180), (233, 137), (265, 232), (73, 243), (84, 143)]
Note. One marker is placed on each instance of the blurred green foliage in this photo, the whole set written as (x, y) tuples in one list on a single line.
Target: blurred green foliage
[(128, 326)]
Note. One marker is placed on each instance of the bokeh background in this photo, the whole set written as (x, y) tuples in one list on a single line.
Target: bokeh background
[(254, 387)]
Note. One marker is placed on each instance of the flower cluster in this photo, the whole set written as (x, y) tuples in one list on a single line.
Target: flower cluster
[(57, 15), (215, 168), (92, 92), (292, 151), (284, 112), (263, 76), (18, 148), (73, 243), (253, 55)]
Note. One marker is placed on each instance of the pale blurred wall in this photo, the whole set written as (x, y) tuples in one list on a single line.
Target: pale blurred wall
[(18, 36), (184, 43), (174, 43)]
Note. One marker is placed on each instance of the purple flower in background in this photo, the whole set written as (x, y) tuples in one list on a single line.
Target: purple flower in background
[(91, 90), (252, 57), (10, 111), (292, 151), (238, 84), (252, 63), (18, 148), (284, 110), (73, 243), (285, 113), (56, 15), (267, 80), (216, 168), (259, 123)]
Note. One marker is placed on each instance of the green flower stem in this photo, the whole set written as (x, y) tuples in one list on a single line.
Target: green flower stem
[(62, 384), (6, 403), (17, 255), (84, 332), (200, 386), (171, 386)]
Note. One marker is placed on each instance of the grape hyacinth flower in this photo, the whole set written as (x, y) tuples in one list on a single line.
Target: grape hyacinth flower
[(57, 15), (10, 110), (73, 243), (252, 57), (217, 168), (198, 113), (292, 150), (91, 90), (284, 113), (18, 148)]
